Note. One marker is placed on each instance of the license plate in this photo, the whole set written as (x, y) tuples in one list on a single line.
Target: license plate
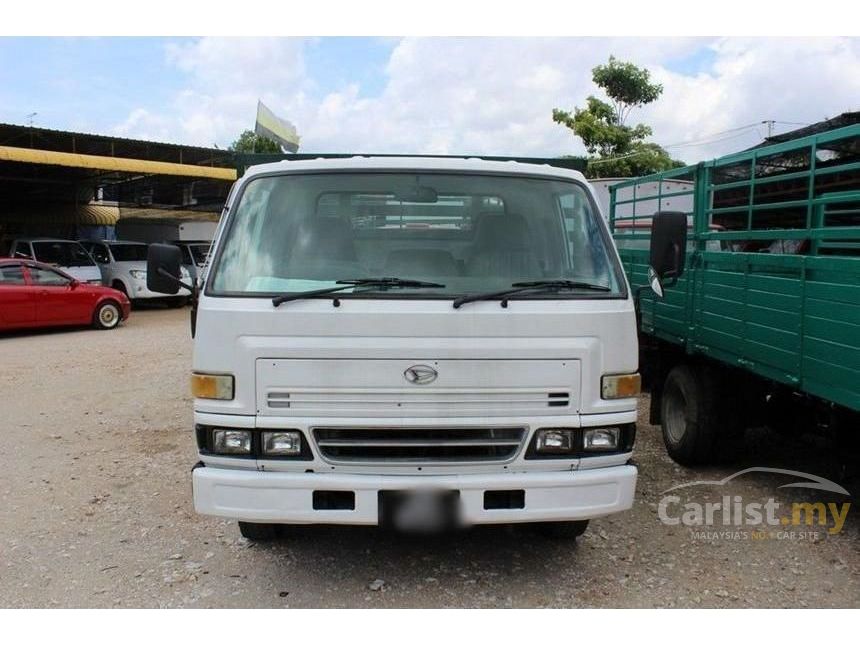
[(422, 511)]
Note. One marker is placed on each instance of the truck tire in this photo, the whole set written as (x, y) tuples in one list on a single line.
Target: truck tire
[(689, 414), (176, 303), (258, 532), (561, 530)]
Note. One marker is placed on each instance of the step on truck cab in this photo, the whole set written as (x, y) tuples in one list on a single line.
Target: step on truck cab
[(421, 341)]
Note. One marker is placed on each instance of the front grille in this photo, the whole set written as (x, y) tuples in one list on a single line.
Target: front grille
[(418, 445), (402, 401)]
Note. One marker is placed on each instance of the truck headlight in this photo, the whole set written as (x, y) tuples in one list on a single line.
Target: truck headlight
[(282, 443), (620, 386), (555, 440), (231, 442), (212, 386), (138, 274), (600, 439)]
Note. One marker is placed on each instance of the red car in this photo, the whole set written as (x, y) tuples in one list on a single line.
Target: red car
[(33, 294)]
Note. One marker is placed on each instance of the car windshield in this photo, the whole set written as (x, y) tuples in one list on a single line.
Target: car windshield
[(468, 232), (129, 252), (64, 254)]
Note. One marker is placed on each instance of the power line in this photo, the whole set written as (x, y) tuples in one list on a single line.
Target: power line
[(696, 143), (706, 142), (629, 154), (706, 138), (712, 138)]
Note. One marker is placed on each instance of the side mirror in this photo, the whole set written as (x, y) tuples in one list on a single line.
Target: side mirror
[(163, 263), (668, 248), (74, 283)]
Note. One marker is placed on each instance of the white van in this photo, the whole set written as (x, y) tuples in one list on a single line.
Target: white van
[(420, 341)]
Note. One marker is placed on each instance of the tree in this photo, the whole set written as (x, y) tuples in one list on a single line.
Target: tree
[(616, 149), (249, 142)]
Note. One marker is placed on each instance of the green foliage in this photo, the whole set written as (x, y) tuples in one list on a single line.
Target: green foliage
[(627, 85), (616, 149), (643, 159), (249, 142)]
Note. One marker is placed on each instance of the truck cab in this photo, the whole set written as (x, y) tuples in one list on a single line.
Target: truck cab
[(421, 341)]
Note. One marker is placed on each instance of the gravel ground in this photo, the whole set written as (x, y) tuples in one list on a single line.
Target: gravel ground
[(96, 512)]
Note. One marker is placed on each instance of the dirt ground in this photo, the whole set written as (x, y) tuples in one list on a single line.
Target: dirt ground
[(96, 512)]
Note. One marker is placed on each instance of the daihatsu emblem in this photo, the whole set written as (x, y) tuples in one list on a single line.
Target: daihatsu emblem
[(420, 374)]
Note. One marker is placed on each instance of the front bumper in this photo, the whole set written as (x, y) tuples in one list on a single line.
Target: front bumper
[(287, 498), (137, 290)]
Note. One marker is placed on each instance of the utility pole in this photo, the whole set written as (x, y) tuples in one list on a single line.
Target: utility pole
[(769, 125), (30, 119)]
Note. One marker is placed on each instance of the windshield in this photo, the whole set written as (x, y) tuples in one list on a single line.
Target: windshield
[(129, 252), (64, 254), (469, 233)]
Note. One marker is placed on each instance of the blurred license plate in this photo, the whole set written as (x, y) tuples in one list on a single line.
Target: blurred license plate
[(420, 510)]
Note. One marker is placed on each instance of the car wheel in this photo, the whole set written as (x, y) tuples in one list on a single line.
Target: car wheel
[(107, 315), (258, 532), (561, 530), (689, 415)]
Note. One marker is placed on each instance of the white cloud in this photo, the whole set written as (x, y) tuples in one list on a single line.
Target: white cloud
[(496, 95), (143, 124), (789, 80)]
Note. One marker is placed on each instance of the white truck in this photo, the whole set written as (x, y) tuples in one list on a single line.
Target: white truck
[(415, 341)]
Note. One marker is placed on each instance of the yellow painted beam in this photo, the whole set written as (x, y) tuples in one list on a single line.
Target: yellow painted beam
[(117, 164)]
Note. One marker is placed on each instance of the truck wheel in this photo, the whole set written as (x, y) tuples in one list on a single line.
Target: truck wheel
[(689, 416), (258, 532), (561, 530), (107, 315), (176, 303)]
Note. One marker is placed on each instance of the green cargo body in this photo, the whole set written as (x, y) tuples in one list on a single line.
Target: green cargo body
[(772, 272)]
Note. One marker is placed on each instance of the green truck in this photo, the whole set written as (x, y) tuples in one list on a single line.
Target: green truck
[(759, 318)]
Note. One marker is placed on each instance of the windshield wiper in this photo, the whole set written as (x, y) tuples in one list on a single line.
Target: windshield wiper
[(381, 283), (536, 285)]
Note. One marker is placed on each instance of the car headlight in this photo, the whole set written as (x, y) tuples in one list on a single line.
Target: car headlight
[(231, 442), (555, 441), (600, 439), (212, 386), (137, 274), (282, 443)]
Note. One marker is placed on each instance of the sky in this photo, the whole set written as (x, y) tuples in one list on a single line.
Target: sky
[(423, 95)]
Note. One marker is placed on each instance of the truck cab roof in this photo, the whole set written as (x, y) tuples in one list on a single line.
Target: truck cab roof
[(417, 163)]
